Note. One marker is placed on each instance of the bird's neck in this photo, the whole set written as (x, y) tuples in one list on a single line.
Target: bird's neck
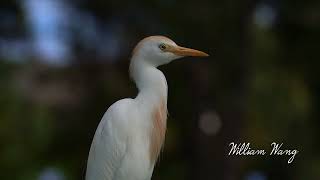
[(150, 81), (152, 100)]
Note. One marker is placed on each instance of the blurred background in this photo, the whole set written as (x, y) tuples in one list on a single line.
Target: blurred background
[(64, 62)]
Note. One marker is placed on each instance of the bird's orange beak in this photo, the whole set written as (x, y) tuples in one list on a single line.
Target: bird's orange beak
[(183, 51)]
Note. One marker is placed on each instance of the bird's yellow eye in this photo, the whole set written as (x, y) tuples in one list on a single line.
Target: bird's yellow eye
[(162, 46)]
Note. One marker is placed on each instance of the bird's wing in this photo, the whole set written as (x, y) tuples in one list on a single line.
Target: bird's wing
[(109, 145)]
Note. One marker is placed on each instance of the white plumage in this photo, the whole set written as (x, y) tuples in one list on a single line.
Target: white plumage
[(131, 133)]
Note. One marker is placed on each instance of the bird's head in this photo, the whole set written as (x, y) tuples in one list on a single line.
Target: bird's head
[(159, 50)]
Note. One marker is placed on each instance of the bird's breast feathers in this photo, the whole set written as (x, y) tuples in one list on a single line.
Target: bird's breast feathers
[(124, 138), (158, 130)]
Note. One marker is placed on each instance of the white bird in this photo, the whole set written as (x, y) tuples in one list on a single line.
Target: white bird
[(131, 133)]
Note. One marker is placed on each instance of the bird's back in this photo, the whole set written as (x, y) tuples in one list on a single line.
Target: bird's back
[(120, 145)]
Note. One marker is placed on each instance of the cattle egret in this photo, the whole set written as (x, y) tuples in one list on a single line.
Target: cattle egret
[(131, 133)]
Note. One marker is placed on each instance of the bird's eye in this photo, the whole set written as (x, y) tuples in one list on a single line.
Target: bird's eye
[(162, 46)]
